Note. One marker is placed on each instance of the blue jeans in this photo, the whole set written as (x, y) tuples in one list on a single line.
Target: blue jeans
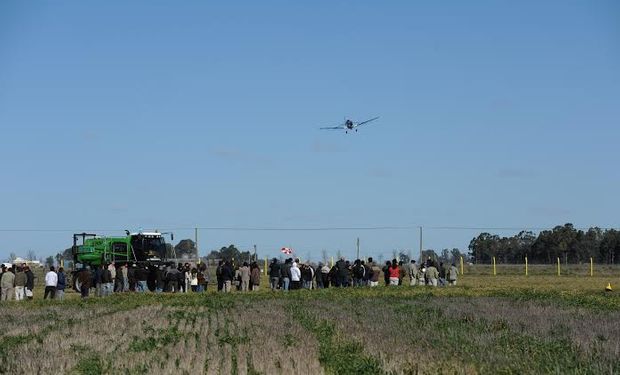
[(142, 287), (286, 282), (274, 283)]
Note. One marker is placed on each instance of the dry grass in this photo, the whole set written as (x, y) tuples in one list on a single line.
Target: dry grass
[(510, 324)]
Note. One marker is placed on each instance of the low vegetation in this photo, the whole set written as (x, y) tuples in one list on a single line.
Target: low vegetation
[(508, 324)]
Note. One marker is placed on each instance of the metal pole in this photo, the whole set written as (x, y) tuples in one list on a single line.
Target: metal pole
[(358, 248), (255, 258), (196, 242), (421, 244)]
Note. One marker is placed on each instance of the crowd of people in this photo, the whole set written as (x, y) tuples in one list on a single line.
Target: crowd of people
[(18, 282), (291, 274)]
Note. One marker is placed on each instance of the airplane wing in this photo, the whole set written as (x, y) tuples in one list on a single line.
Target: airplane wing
[(367, 121), (339, 127)]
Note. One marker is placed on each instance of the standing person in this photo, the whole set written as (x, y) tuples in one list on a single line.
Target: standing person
[(187, 277), (131, 277), (367, 272), (118, 280), (7, 283), (20, 284), (295, 276), (386, 272), (376, 272), (255, 276), (193, 279), (402, 272), (112, 269), (319, 276), (98, 282), (324, 274), (286, 274), (106, 281), (51, 281), (422, 276), (61, 285), (141, 276), (442, 274), (160, 281), (85, 279), (358, 272), (227, 276), (394, 273), (307, 274), (452, 274), (342, 272), (413, 273), (203, 277), (274, 274), (172, 278), (125, 276), (244, 274), (29, 283), (218, 275), (432, 274)]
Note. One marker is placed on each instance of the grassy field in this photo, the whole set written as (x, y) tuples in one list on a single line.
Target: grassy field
[(503, 324)]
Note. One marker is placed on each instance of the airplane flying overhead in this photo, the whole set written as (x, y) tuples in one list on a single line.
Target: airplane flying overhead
[(349, 125)]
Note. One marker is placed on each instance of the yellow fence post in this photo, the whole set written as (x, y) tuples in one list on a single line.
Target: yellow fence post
[(558, 266), (462, 268), (525, 266), (265, 265), (591, 267), (332, 260), (494, 269)]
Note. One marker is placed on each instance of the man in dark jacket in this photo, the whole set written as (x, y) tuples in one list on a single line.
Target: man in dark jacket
[(85, 279), (61, 285), (343, 273), (29, 283), (286, 273), (227, 276), (274, 273), (106, 281), (218, 275), (97, 281)]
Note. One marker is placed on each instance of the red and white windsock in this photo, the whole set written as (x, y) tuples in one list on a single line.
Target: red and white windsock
[(287, 250)]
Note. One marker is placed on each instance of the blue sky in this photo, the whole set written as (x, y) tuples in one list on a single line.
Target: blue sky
[(173, 115)]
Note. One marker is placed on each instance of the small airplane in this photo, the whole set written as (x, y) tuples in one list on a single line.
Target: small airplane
[(349, 125)]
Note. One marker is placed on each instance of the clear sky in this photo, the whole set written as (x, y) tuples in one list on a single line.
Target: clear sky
[(162, 114)]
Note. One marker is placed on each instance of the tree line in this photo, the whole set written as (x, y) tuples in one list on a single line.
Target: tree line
[(566, 242)]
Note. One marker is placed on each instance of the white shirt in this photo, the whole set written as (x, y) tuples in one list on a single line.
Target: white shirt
[(51, 279), (295, 273)]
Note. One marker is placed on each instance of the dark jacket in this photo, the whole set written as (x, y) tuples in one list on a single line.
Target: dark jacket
[(274, 270), (106, 276), (29, 280), (227, 273), (286, 270), (85, 278), (62, 281)]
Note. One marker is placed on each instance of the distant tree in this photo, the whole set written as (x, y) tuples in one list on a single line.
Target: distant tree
[(12, 257), (59, 258), (186, 248), (49, 261), (31, 255), (403, 257), (429, 253)]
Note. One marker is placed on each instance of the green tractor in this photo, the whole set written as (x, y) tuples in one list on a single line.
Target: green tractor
[(142, 249)]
